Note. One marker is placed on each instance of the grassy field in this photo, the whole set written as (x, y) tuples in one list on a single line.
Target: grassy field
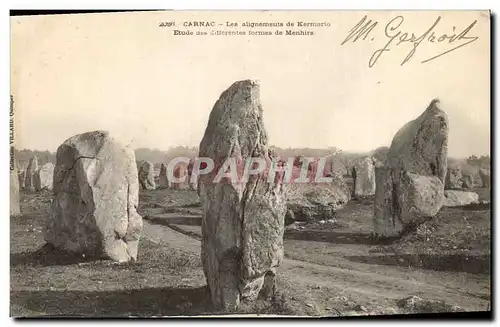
[(330, 269)]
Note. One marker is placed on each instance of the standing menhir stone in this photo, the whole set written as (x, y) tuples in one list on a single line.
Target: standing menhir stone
[(485, 177), (364, 177), (163, 179), (95, 198), (180, 172), (453, 178), (15, 208), (243, 223), (467, 180), (146, 175), (44, 177), (29, 182), (21, 177), (410, 187), (192, 185), (334, 165)]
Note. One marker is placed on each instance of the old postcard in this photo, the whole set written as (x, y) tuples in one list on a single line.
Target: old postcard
[(284, 163)]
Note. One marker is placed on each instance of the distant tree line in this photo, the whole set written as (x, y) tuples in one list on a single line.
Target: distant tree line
[(482, 161), (23, 156), (157, 156)]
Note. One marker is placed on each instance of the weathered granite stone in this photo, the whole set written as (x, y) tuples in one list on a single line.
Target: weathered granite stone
[(308, 202), (454, 198), (485, 177), (146, 175), (334, 165), (180, 170), (468, 179), (193, 185), (29, 182), (453, 178), (410, 187), (243, 222), (163, 176), (21, 177), (15, 208), (94, 210), (364, 177), (44, 177)]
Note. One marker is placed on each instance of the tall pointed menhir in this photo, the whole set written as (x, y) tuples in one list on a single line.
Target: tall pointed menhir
[(243, 223), (410, 187)]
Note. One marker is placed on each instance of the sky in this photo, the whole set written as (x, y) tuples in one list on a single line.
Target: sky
[(123, 73)]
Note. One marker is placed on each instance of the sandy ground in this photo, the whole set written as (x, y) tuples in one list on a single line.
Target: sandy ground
[(330, 268)]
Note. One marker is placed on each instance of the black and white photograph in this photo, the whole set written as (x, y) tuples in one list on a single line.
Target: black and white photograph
[(272, 163)]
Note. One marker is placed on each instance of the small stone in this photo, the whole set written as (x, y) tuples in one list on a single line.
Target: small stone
[(360, 308), (411, 302), (146, 177), (43, 177), (309, 305)]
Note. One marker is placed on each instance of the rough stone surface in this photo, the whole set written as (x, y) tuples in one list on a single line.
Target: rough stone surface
[(15, 208), (21, 177), (308, 202), (146, 175), (468, 180), (453, 178), (485, 177), (44, 177), (163, 179), (454, 198), (410, 186), (334, 165), (243, 222), (415, 304), (29, 181), (180, 170), (94, 210), (364, 177)]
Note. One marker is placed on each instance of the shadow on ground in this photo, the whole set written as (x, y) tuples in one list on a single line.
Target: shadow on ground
[(48, 256), (454, 262), (139, 302), (477, 207), (331, 237), (188, 221)]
